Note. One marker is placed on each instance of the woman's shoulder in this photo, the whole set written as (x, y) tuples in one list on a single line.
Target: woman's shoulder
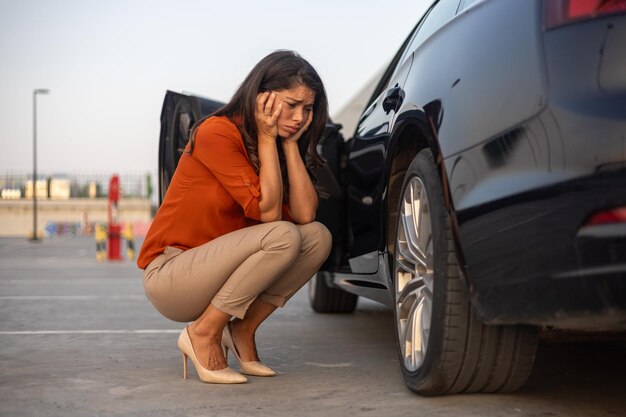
[(218, 131), (220, 125)]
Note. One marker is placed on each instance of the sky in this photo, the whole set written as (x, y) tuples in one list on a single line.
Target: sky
[(108, 64)]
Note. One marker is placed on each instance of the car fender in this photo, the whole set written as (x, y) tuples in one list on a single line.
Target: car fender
[(420, 125)]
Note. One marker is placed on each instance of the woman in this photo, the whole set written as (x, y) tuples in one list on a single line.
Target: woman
[(235, 236)]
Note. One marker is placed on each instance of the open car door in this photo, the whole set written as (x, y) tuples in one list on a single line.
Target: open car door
[(179, 113), (329, 180)]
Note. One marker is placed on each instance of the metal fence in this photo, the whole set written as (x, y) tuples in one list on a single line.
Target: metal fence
[(19, 185)]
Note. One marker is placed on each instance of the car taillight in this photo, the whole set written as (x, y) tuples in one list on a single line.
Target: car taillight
[(612, 216), (562, 12)]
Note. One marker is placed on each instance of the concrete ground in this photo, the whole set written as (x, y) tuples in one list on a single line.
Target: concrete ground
[(78, 338)]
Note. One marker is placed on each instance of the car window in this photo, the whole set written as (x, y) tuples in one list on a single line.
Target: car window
[(408, 44), (397, 60), (440, 13)]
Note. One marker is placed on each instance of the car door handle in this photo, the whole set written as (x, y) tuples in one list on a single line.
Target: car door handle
[(393, 99)]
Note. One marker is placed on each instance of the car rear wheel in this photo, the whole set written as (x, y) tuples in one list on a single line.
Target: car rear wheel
[(326, 299), (443, 347)]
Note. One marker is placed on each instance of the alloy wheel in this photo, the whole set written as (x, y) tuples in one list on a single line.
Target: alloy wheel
[(413, 270)]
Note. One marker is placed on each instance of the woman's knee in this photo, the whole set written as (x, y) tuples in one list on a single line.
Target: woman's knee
[(283, 236), (325, 238), (318, 236)]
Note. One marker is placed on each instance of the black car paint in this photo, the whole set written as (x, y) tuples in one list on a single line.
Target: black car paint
[(529, 133), (178, 115)]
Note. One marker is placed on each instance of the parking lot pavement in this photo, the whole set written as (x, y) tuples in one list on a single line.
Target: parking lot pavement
[(78, 338)]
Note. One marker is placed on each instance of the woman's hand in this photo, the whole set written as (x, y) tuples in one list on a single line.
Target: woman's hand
[(266, 120), (270, 179), (303, 129)]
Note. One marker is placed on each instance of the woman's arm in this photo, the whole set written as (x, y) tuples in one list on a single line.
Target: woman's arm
[(270, 180), (302, 194)]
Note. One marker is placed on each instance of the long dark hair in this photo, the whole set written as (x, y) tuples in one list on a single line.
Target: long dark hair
[(280, 70)]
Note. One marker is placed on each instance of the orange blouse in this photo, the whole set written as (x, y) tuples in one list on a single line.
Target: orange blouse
[(214, 191)]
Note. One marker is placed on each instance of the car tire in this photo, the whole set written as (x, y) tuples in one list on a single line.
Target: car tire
[(443, 348), (326, 299)]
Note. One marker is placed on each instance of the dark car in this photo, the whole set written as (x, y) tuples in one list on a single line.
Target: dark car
[(485, 188), (483, 193)]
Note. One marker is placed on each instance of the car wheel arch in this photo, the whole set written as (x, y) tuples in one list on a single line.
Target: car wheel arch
[(409, 138), (404, 145)]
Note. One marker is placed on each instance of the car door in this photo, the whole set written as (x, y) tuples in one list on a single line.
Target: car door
[(178, 115), (330, 182), (370, 145), (365, 162)]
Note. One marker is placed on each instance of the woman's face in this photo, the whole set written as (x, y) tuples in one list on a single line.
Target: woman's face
[(297, 105)]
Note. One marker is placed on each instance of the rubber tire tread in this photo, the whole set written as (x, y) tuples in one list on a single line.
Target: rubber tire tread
[(331, 300), (464, 355)]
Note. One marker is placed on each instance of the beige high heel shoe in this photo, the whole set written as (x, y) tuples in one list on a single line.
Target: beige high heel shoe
[(255, 368), (222, 376)]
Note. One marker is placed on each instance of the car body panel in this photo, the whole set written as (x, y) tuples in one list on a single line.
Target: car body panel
[(550, 269), (529, 129)]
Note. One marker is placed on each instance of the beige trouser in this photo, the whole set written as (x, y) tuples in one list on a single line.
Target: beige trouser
[(271, 260)]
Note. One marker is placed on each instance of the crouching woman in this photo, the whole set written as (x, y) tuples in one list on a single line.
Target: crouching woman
[(235, 236)]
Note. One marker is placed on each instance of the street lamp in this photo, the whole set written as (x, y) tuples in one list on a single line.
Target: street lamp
[(35, 93)]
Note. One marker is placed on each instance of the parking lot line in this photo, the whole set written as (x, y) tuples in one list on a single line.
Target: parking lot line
[(64, 281), (72, 297), (51, 332)]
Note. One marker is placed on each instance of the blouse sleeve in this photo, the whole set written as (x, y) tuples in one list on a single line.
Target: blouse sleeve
[(222, 152)]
